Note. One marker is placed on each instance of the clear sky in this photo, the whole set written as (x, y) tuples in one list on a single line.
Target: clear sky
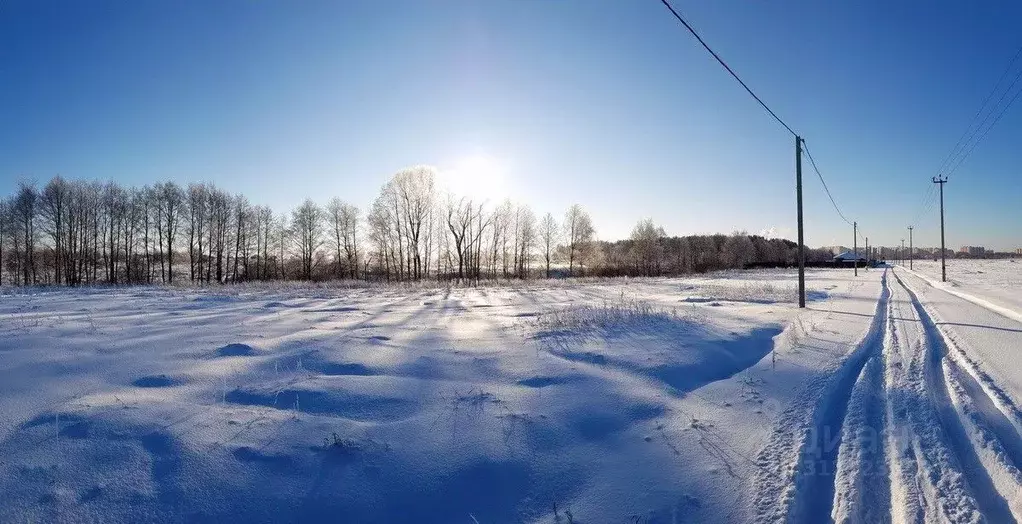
[(608, 103)]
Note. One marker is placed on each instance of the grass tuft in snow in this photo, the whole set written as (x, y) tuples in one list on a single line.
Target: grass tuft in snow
[(607, 319)]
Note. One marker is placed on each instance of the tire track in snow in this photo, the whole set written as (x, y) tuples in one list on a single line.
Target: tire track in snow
[(863, 484), (990, 502), (907, 495), (816, 476)]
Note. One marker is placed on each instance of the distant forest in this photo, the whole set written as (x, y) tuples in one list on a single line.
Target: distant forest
[(70, 232)]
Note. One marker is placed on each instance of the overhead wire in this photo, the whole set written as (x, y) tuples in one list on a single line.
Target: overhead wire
[(812, 161), (924, 205), (982, 107), (978, 126), (761, 103), (727, 67), (1000, 115)]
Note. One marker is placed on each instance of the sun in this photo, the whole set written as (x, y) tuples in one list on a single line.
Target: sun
[(478, 177)]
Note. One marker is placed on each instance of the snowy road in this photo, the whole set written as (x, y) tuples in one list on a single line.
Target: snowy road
[(920, 423)]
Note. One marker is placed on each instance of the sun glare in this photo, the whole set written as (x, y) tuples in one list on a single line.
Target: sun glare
[(479, 177)]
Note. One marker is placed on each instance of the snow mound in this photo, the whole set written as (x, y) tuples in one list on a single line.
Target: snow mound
[(156, 381), (684, 352), (236, 350)]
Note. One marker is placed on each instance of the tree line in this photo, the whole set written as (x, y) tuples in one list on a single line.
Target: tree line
[(72, 232)]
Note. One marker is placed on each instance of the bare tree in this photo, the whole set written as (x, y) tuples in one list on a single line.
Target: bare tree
[(218, 224), (525, 239), (54, 201), (647, 249), (459, 220), (579, 232), (25, 217), (349, 237), (242, 220), (170, 198), (548, 233), (308, 224), (282, 239), (5, 227), (343, 223), (264, 235), (198, 205), (413, 190)]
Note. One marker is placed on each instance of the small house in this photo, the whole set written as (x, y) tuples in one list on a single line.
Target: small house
[(849, 258)]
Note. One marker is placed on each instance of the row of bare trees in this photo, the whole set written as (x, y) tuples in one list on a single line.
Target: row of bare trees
[(416, 231), (76, 232), (71, 232)]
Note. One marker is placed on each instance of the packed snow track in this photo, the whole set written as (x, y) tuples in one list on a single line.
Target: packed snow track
[(919, 423)]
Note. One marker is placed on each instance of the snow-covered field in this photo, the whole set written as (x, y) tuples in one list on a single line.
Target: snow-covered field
[(664, 400), (997, 281)]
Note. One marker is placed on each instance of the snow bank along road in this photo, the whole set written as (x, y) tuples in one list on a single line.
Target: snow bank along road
[(919, 424), (668, 400)]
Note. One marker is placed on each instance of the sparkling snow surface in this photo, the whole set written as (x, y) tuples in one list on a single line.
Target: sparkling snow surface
[(711, 399)]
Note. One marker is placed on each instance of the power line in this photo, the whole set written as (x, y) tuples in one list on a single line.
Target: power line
[(994, 123), (980, 111), (798, 139), (977, 126), (825, 188), (924, 205), (729, 70)]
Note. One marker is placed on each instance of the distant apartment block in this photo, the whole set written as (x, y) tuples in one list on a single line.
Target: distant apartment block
[(972, 250)]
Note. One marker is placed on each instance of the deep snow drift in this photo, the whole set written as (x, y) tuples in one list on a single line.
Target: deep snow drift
[(662, 400)]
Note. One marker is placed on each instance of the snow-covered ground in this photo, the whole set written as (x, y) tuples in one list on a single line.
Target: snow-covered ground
[(710, 399), (998, 281)]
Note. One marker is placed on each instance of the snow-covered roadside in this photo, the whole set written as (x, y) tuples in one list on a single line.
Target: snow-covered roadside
[(615, 401), (994, 284), (827, 350), (952, 288), (985, 338), (989, 416)]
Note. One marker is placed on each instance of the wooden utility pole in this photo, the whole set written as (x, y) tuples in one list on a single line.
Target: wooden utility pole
[(911, 252), (801, 244), (855, 247), (867, 253), (943, 261)]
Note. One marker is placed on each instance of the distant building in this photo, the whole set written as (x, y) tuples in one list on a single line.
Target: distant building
[(1018, 251), (850, 258), (972, 250)]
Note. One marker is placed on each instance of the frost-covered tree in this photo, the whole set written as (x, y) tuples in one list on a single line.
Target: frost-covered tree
[(459, 221), (343, 224), (307, 222), (738, 250), (414, 191), (579, 233), (525, 239), (548, 234), (647, 247)]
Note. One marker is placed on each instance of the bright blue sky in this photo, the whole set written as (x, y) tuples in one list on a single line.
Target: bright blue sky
[(607, 103)]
